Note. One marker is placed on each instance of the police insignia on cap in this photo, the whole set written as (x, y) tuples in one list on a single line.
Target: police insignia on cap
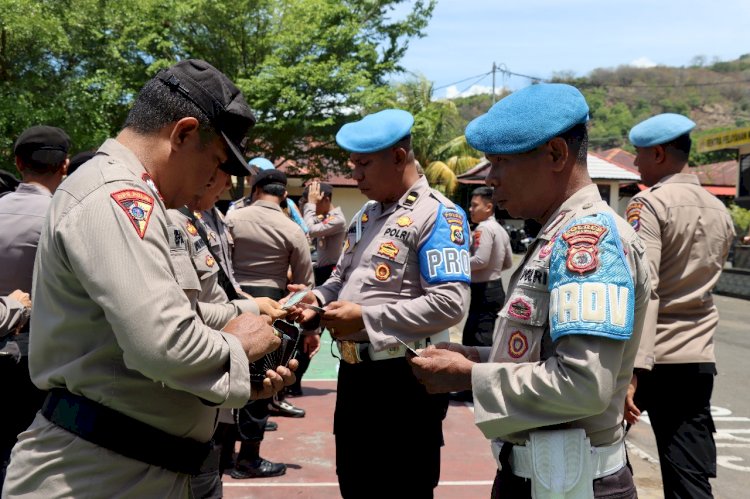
[(404, 221), (137, 205), (633, 214), (388, 250), (583, 247), (520, 309), (210, 261), (382, 272), (191, 229), (518, 344)]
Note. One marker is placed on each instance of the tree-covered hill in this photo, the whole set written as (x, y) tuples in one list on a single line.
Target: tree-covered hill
[(716, 96)]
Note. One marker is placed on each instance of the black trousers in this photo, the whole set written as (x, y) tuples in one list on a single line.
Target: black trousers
[(22, 401), (487, 299), (388, 432), (678, 400)]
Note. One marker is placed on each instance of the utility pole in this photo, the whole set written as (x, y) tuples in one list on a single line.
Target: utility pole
[(494, 68)]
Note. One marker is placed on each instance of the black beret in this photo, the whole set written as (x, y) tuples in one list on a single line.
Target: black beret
[(44, 144), (265, 177)]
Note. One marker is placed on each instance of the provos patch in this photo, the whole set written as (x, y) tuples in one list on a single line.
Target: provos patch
[(137, 205), (583, 246)]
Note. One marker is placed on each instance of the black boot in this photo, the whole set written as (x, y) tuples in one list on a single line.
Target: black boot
[(251, 465)]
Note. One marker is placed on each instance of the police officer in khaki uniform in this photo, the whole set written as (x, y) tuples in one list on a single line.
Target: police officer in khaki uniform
[(135, 377), (403, 275), (687, 233), (550, 391), (267, 244), (327, 225), (41, 154), (490, 255)]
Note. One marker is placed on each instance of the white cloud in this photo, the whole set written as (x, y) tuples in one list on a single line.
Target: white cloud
[(452, 92), (642, 62)]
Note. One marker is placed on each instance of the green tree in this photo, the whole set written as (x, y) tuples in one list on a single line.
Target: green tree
[(304, 65)]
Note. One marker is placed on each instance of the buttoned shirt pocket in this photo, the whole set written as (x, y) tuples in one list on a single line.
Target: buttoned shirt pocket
[(387, 266), (184, 271)]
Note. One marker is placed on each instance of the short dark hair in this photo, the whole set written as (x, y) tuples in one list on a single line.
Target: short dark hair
[(681, 145), (483, 192), (577, 139), (157, 106), (274, 189)]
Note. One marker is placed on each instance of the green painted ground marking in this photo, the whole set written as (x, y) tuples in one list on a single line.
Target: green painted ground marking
[(324, 365)]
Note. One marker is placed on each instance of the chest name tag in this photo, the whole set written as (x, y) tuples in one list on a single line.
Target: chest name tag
[(444, 257)]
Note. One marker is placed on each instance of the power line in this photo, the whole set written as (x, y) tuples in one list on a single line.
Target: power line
[(460, 81)]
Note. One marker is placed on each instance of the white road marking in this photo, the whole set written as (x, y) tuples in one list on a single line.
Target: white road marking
[(467, 483)]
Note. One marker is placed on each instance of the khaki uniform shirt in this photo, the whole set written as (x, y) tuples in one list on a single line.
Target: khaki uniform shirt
[(409, 270), (490, 251), (219, 240), (566, 339), (129, 337), (329, 232), (213, 303), (266, 244), (21, 219), (687, 232)]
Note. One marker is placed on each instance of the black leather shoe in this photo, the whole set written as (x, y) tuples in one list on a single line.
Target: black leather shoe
[(260, 468), (285, 409), (271, 426), (294, 391)]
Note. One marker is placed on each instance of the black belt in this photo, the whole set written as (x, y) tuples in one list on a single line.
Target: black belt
[(122, 434), (264, 292)]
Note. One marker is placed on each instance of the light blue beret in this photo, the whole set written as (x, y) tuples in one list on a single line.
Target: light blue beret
[(660, 129), (261, 163), (375, 131), (528, 118)]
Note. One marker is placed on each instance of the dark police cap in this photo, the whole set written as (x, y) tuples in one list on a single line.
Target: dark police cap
[(265, 177), (325, 189), (44, 144), (660, 129), (528, 118), (79, 159), (216, 95), (375, 132)]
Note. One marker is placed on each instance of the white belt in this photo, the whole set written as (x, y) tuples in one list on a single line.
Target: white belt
[(605, 460), (399, 350)]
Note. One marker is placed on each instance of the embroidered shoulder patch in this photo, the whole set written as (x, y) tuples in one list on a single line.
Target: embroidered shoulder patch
[(444, 257), (633, 214), (583, 246), (137, 205), (600, 303)]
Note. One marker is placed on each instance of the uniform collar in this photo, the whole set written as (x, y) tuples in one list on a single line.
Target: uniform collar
[(125, 156), (268, 204), (679, 178), (589, 194), (29, 188), (407, 200)]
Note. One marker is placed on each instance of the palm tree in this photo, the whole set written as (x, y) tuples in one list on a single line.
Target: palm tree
[(443, 175)]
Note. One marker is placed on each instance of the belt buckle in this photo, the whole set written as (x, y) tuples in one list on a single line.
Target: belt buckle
[(349, 351)]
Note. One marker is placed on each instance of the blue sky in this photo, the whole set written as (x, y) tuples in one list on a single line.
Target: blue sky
[(540, 37)]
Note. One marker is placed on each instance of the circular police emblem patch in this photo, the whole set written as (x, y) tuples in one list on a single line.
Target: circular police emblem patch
[(517, 344), (382, 272), (137, 212), (210, 261)]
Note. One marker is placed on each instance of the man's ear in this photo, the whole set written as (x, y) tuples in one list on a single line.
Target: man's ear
[(182, 132), (399, 155), (558, 152), (19, 165), (64, 168), (660, 153)]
